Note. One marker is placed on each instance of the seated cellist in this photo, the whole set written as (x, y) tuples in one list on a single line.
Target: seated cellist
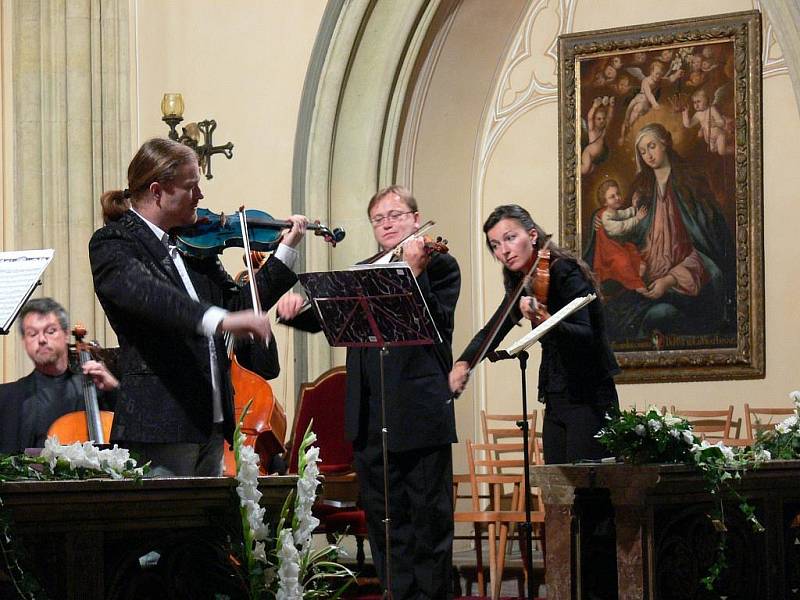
[(29, 405)]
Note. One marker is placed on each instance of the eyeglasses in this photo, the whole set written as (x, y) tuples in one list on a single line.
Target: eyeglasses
[(390, 218)]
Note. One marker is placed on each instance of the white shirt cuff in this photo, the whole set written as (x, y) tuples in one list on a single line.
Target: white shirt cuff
[(286, 254), (211, 320)]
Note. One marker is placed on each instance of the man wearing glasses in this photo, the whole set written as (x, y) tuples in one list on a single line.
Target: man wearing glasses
[(419, 415), (29, 405)]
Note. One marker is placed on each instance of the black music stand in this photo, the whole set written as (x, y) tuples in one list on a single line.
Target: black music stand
[(373, 306), (518, 350)]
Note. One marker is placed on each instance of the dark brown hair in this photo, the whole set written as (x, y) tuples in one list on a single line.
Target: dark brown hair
[(519, 214), (157, 160)]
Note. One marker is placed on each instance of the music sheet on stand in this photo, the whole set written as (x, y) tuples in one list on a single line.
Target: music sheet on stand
[(391, 294), (538, 332), (20, 271)]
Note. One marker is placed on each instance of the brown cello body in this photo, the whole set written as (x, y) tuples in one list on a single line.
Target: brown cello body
[(74, 427), (264, 427)]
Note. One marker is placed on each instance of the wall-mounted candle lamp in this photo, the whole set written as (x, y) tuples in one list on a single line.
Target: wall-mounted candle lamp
[(172, 111)]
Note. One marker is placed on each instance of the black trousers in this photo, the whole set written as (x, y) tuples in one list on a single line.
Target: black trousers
[(421, 513), (569, 427)]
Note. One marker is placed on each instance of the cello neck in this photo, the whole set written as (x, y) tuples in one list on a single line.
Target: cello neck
[(92, 407)]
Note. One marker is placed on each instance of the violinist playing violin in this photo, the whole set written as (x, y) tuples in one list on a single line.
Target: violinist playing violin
[(419, 415), (576, 373), (29, 405), (169, 312)]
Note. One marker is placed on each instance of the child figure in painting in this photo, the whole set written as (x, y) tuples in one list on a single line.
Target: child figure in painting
[(647, 98), (615, 260), (713, 125), (596, 151)]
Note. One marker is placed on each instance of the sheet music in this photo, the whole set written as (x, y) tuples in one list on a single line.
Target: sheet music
[(20, 272), (540, 331)]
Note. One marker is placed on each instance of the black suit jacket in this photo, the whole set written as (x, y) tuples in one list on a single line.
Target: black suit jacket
[(12, 397), (164, 365), (576, 354), (419, 406)]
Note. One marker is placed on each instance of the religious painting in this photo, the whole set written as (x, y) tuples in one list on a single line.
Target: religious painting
[(661, 193)]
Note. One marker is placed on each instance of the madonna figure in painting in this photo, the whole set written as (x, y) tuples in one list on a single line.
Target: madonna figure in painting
[(686, 250)]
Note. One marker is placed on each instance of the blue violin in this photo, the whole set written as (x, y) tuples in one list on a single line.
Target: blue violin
[(213, 232)]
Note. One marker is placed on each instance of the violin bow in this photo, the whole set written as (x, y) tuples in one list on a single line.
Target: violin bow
[(248, 260), (507, 308)]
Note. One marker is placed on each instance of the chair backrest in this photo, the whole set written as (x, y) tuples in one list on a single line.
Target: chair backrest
[(757, 420), (714, 424), (499, 428), (487, 467), (323, 401)]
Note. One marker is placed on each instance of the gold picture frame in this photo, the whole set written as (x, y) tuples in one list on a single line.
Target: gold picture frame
[(661, 191)]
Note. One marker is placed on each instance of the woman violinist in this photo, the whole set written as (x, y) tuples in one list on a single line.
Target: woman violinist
[(576, 373)]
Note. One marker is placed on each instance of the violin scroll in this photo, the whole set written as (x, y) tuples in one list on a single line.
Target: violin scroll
[(331, 237)]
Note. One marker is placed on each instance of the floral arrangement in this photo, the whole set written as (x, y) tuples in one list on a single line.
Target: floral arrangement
[(656, 436), (73, 461), (653, 436), (292, 569), (783, 442)]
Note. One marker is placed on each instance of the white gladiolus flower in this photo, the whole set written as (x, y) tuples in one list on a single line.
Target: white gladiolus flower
[(654, 424), (640, 430), (289, 586), (675, 433), (687, 436), (795, 397), (306, 494), (249, 496), (671, 421), (259, 552)]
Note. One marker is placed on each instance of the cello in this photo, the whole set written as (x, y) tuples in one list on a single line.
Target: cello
[(90, 424)]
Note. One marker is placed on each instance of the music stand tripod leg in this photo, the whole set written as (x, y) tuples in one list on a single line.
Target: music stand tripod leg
[(526, 528), (387, 593)]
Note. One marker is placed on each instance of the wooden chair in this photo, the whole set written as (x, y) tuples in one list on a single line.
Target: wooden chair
[(708, 424), (485, 471), (499, 428), (754, 418), (323, 401)]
